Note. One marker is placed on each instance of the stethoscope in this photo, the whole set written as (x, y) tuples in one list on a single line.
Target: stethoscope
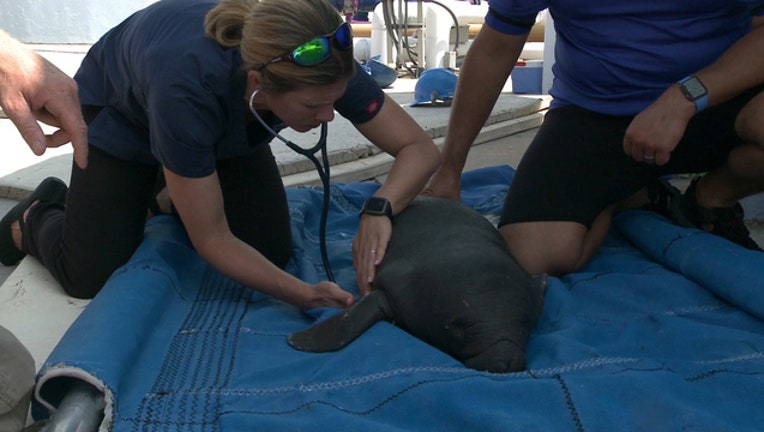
[(323, 173)]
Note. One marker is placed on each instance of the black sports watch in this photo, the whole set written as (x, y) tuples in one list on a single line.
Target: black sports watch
[(378, 206), (694, 91)]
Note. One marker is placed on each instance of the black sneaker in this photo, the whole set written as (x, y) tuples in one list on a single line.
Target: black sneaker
[(661, 193), (727, 222), (664, 199), (50, 190)]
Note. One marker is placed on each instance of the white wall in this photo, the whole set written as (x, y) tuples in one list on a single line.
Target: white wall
[(549, 40), (64, 21)]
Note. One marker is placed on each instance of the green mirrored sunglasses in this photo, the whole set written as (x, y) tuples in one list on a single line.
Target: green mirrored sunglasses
[(316, 50)]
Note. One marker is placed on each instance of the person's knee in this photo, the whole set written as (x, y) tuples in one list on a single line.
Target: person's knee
[(85, 286), (748, 124), (556, 262), (543, 250), (82, 292)]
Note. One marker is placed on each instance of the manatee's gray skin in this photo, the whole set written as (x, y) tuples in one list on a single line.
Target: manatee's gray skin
[(448, 279)]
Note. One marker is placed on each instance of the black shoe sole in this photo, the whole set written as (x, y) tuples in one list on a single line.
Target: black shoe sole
[(50, 190)]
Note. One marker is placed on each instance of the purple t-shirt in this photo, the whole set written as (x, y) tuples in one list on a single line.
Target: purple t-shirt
[(174, 97), (617, 56)]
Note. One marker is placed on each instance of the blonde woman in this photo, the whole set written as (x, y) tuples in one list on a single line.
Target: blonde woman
[(174, 91)]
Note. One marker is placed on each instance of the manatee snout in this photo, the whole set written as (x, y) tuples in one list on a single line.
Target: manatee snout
[(502, 357), (492, 334), (496, 341)]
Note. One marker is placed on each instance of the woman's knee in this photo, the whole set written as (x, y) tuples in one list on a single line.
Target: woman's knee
[(83, 276), (85, 286)]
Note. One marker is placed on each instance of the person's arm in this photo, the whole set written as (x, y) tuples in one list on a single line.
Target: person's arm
[(199, 202), (656, 131), (31, 89), (485, 70), (416, 158)]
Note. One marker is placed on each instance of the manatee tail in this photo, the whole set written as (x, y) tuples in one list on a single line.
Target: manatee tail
[(340, 330)]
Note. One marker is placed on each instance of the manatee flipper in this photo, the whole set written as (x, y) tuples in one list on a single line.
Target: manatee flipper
[(339, 330)]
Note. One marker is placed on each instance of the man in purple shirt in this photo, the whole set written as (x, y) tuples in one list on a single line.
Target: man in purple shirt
[(642, 89)]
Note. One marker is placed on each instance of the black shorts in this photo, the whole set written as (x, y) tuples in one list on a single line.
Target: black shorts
[(576, 167)]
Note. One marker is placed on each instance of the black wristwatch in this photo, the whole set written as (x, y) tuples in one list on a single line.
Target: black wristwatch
[(695, 92), (378, 206)]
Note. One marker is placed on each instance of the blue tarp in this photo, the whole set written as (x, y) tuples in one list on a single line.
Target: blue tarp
[(662, 331)]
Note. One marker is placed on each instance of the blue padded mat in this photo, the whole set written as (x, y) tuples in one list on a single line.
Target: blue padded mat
[(662, 331)]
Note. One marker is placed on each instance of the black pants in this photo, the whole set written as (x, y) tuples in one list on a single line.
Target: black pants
[(576, 166), (103, 221)]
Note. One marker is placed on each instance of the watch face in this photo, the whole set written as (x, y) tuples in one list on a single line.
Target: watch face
[(693, 88), (376, 206)]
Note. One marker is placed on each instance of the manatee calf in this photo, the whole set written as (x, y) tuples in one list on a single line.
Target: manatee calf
[(448, 279)]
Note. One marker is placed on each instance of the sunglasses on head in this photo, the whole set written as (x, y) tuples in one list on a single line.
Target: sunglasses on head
[(316, 50)]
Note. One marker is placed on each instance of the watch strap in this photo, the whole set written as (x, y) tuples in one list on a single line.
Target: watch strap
[(377, 206)]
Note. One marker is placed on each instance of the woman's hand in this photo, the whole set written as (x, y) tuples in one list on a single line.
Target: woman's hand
[(369, 246), (199, 203), (325, 294)]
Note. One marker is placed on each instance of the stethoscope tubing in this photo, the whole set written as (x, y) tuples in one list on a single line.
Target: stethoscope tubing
[(323, 174)]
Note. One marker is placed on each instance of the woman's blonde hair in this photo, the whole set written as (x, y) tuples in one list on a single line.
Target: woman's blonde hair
[(263, 29)]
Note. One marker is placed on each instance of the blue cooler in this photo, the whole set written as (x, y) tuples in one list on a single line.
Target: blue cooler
[(526, 77)]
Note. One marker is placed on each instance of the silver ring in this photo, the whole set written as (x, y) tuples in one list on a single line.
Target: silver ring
[(648, 159), (373, 251)]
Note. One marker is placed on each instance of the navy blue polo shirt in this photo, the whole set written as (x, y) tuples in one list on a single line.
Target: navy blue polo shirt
[(174, 97)]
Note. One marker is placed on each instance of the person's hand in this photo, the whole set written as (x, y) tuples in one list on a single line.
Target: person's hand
[(326, 294), (655, 132), (34, 89), (369, 246), (444, 184)]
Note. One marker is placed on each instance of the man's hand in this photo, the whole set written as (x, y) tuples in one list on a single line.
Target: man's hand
[(444, 184), (655, 132), (32, 89)]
